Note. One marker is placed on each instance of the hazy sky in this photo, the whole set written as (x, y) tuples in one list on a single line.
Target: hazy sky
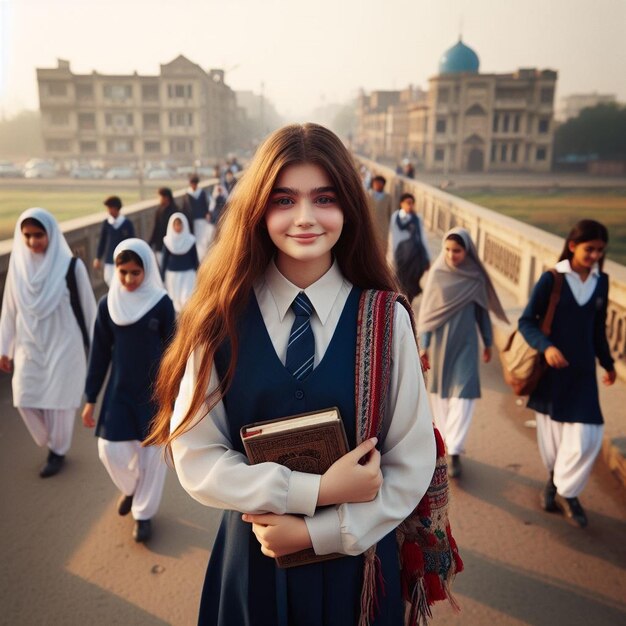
[(307, 53)]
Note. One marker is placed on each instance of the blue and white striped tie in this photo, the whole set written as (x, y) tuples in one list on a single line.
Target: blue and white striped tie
[(301, 346)]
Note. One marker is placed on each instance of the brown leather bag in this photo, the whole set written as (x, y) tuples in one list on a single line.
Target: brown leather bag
[(522, 365)]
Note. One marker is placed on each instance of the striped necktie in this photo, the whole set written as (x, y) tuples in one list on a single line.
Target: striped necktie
[(301, 346)]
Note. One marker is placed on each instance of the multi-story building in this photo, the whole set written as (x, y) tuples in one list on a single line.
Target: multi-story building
[(571, 106), (181, 115), (466, 121)]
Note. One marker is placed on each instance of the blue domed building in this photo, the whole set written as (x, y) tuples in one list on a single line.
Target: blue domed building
[(458, 60)]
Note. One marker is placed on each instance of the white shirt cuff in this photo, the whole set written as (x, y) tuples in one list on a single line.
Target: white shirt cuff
[(302, 493), (325, 531)]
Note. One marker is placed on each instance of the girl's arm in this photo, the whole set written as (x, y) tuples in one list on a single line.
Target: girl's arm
[(168, 321), (85, 295), (529, 322), (100, 353), (407, 462), (7, 325), (216, 475), (424, 239), (196, 261), (486, 332), (601, 345)]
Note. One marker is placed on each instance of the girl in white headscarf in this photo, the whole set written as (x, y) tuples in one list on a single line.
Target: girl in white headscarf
[(134, 324), (456, 300), (40, 338), (179, 263)]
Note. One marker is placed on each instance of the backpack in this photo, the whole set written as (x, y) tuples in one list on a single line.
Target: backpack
[(70, 280)]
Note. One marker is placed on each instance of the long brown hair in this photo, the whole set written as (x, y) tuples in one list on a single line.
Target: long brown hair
[(241, 254), (583, 231)]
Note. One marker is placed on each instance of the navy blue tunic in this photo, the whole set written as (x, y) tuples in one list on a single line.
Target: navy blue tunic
[(179, 262), (240, 588), (569, 394), (110, 237), (134, 352), (195, 208)]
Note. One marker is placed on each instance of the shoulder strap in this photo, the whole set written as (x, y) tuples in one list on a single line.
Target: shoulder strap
[(70, 279), (555, 296)]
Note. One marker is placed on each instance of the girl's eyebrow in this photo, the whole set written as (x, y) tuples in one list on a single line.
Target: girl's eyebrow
[(295, 192)]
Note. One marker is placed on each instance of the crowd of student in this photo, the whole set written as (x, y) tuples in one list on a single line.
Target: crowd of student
[(271, 331)]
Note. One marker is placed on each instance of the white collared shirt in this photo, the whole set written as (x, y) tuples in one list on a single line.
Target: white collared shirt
[(582, 290), (216, 475)]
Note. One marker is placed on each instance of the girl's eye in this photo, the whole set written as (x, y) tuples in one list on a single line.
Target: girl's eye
[(284, 201), (326, 200)]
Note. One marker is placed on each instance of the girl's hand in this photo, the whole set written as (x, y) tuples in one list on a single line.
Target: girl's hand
[(609, 378), (87, 415), (6, 364), (554, 358), (96, 264), (279, 534), (424, 360), (347, 480), (487, 355)]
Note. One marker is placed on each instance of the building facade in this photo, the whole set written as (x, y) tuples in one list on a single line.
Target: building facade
[(571, 106), (466, 121), (181, 115)]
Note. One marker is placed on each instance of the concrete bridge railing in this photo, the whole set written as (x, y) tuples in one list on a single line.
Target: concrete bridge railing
[(515, 253)]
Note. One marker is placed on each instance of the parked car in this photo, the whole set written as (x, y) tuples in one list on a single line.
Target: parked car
[(120, 172), (86, 172), (159, 174), (43, 169), (10, 170)]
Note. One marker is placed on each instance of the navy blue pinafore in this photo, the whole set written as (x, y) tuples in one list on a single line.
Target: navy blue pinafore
[(240, 588)]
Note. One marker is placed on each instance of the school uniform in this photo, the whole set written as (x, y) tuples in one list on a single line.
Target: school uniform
[(569, 418), (113, 232), (381, 208), (179, 263), (242, 586), (39, 331), (130, 335), (196, 207)]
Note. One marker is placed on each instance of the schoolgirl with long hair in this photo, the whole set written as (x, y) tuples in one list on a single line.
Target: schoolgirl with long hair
[(270, 331), (41, 340), (566, 404)]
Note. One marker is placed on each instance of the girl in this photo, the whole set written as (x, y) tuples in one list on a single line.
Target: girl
[(135, 321), (196, 206), (40, 338), (408, 248), (569, 420), (165, 209), (296, 249), (180, 260), (457, 298)]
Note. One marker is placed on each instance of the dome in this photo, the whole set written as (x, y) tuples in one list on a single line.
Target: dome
[(459, 58)]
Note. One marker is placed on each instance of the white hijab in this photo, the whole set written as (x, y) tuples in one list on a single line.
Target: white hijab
[(127, 307), (38, 280), (178, 243)]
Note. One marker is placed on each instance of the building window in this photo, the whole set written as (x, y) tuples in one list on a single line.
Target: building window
[(86, 121), (150, 93), (503, 153), (152, 146), (494, 152), (440, 126), (496, 120), (180, 91), (516, 123), (59, 119), (120, 146), (544, 126), (541, 154), (514, 149), (57, 89), (181, 146), (84, 92), (444, 94), (505, 125), (58, 145), (439, 154), (88, 147), (119, 120), (180, 118), (118, 92), (546, 95)]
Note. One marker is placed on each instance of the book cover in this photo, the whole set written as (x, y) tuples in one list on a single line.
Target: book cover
[(307, 442)]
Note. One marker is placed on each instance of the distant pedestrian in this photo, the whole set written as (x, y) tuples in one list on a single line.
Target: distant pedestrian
[(115, 229), (457, 298), (41, 338), (134, 324), (217, 206), (229, 181), (569, 419), (196, 207), (408, 248), (180, 261), (380, 205), (167, 207)]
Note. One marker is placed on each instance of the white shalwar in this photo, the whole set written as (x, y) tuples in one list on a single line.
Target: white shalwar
[(136, 471), (180, 286), (109, 270), (568, 449), (204, 232), (453, 417)]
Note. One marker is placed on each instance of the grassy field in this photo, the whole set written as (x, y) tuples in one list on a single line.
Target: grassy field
[(557, 211)]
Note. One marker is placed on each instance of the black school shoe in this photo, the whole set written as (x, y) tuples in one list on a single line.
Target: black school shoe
[(547, 496), (572, 509), (124, 504), (454, 465), (142, 531), (52, 465)]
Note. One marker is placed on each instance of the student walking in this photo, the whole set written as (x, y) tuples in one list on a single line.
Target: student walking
[(408, 248), (456, 301), (115, 229), (41, 339), (167, 207), (196, 206), (381, 207), (566, 404), (134, 323), (271, 332), (180, 261)]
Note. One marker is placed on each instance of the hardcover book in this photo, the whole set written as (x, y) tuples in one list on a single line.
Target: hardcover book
[(308, 442)]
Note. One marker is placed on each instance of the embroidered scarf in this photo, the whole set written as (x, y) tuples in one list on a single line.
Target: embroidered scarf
[(428, 553)]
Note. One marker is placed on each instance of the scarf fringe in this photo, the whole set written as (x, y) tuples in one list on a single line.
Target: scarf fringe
[(372, 577)]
